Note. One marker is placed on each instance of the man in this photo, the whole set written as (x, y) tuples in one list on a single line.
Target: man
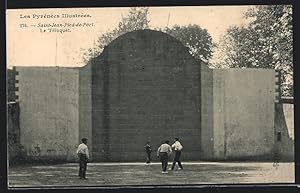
[(163, 153), (177, 148), (83, 154), (148, 152)]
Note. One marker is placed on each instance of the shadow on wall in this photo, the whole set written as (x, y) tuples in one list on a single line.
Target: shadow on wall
[(284, 131), (16, 152)]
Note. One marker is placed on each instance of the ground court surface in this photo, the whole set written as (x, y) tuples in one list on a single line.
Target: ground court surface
[(119, 174)]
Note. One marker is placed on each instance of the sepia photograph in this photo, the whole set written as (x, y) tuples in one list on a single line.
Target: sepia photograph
[(158, 96)]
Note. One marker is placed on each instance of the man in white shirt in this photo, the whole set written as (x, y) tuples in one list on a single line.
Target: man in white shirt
[(177, 148), (163, 153), (83, 154)]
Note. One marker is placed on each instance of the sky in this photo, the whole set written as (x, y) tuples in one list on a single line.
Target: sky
[(31, 44)]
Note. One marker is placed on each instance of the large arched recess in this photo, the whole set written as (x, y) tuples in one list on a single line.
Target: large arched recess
[(145, 87)]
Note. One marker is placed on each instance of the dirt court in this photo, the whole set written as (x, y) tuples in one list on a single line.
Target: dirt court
[(141, 174)]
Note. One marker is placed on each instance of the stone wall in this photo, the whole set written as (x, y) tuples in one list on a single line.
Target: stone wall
[(207, 138), (284, 132), (85, 105), (289, 145), (49, 112), (288, 111), (243, 113), (145, 87), (11, 84), (15, 149)]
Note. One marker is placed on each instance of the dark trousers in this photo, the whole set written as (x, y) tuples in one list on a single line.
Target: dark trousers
[(82, 165), (164, 160), (148, 157), (177, 159)]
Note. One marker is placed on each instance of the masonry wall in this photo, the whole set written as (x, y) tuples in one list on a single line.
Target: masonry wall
[(284, 128), (243, 112), (85, 106), (206, 119), (10, 84), (49, 115), (145, 86), (288, 111), (218, 115), (289, 148), (13, 138)]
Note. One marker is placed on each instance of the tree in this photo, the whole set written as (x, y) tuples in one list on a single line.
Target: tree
[(135, 20), (198, 40), (267, 42)]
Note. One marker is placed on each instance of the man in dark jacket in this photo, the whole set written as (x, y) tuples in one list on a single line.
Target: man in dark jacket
[(148, 152)]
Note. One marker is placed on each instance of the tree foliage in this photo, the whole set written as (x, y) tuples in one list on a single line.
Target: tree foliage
[(135, 20), (267, 42), (198, 40)]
